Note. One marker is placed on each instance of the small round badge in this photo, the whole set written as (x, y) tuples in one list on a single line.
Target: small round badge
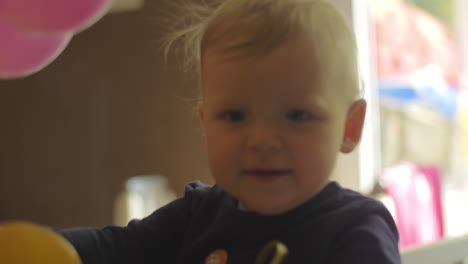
[(218, 256)]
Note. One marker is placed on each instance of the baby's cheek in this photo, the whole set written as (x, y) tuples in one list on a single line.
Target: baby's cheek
[(318, 159), (223, 160)]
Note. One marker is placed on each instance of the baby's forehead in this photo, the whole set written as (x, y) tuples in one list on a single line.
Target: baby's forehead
[(235, 49), (292, 64), (295, 54)]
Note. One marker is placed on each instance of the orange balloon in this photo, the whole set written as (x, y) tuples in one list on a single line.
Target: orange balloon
[(28, 243)]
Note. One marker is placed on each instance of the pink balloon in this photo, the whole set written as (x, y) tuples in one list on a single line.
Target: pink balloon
[(53, 15), (23, 53)]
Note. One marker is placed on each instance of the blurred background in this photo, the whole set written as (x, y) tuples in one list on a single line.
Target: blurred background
[(108, 131), (109, 108)]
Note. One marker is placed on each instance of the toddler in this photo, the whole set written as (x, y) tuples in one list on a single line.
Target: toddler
[(279, 99)]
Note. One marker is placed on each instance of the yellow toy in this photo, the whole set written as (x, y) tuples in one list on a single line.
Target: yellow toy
[(27, 243), (274, 252)]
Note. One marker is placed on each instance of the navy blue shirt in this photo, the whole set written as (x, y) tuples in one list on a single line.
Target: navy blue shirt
[(335, 226)]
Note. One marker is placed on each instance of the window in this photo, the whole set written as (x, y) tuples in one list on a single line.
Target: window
[(413, 63)]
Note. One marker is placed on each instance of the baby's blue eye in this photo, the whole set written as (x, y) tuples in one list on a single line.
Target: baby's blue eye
[(298, 115), (233, 116)]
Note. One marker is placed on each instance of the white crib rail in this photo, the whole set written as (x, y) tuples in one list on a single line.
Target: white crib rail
[(447, 251)]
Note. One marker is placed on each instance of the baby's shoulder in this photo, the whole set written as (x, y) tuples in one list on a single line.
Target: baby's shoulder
[(201, 195), (343, 207), (351, 200), (356, 209)]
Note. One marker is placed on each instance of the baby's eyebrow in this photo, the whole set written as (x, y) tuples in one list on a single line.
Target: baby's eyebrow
[(318, 101)]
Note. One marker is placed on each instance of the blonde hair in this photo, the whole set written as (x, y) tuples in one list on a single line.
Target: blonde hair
[(255, 27)]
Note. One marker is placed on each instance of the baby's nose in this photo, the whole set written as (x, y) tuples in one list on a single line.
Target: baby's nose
[(264, 137)]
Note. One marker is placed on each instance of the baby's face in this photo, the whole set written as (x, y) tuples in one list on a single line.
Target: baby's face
[(272, 134)]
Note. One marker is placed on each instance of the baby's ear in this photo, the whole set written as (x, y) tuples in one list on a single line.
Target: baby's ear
[(354, 125)]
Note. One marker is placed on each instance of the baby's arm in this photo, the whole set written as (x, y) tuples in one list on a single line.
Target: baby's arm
[(373, 240), (154, 239)]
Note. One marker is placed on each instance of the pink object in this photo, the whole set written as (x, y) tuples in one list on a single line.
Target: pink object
[(408, 39), (53, 15), (416, 193), (24, 53), (34, 32)]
